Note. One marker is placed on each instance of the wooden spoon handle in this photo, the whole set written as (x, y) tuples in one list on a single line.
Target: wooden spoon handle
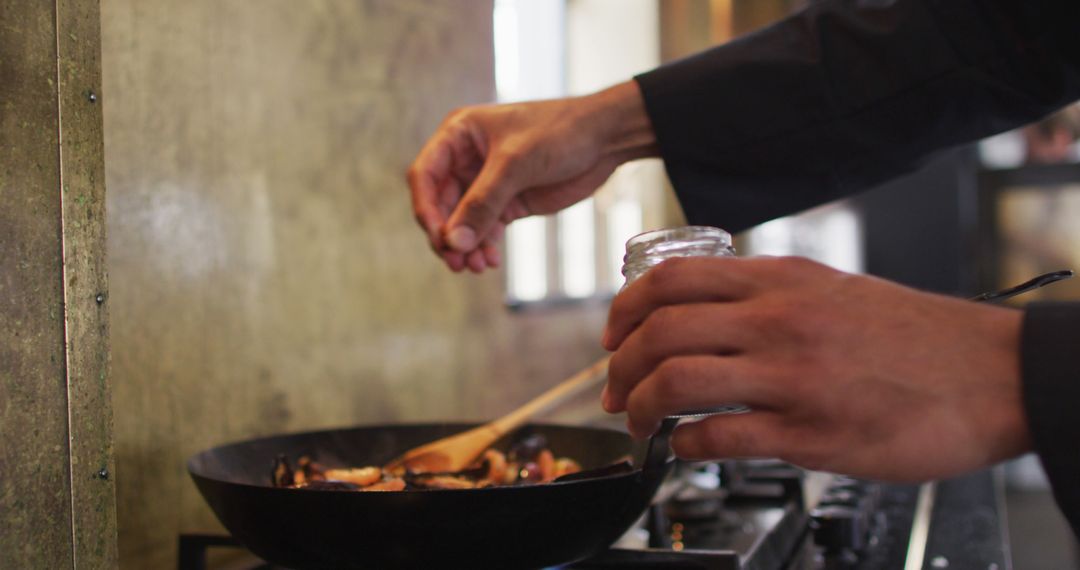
[(557, 395)]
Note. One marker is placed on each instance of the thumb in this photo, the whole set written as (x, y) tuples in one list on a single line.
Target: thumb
[(479, 211)]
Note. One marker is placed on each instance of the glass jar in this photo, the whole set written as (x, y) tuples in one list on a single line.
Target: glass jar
[(647, 250)]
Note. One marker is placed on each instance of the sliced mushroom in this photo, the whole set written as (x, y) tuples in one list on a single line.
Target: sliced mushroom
[(395, 484), (362, 476)]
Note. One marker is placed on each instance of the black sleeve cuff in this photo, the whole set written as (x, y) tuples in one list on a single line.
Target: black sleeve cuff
[(1050, 361)]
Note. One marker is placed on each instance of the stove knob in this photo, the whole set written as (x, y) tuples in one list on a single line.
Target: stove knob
[(838, 528)]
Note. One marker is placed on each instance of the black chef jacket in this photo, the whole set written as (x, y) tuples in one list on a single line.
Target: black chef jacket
[(848, 93)]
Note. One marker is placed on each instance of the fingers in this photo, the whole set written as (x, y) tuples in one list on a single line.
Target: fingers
[(429, 173), (671, 331), (492, 256), (482, 207), (505, 190), (425, 199), (754, 434), (448, 163), (696, 382), (676, 281), (476, 261), (454, 260), (437, 178), (487, 255), (469, 178)]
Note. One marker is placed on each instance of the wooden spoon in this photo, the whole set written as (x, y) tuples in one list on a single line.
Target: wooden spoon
[(458, 451)]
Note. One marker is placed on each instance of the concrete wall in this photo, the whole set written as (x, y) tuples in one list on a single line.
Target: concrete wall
[(266, 272)]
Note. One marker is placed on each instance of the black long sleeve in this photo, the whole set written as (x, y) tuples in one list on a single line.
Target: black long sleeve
[(1051, 371), (849, 93)]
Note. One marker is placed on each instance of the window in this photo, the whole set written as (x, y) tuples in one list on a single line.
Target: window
[(555, 48), (830, 234)]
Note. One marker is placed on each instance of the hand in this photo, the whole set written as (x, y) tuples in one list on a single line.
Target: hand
[(843, 373), (487, 166)]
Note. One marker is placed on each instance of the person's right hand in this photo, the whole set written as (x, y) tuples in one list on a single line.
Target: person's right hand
[(488, 165), (844, 373)]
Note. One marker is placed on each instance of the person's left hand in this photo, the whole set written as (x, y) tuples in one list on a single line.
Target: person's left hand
[(844, 373), (488, 165)]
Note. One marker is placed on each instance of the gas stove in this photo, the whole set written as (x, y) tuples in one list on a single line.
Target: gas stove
[(768, 515)]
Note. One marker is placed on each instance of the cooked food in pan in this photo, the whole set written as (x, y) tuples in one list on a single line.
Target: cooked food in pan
[(529, 461)]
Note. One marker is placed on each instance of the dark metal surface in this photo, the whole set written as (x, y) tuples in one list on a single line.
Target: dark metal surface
[(967, 528), (501, 527), (887, 544)]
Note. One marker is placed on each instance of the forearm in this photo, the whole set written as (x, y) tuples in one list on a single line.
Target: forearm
[(622, 124), (842, 96)]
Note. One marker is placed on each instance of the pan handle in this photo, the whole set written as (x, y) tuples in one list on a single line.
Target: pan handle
[(659, 451), (1040, 281)]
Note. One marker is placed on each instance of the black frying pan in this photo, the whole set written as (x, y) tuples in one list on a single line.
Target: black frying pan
[(500, 527)]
